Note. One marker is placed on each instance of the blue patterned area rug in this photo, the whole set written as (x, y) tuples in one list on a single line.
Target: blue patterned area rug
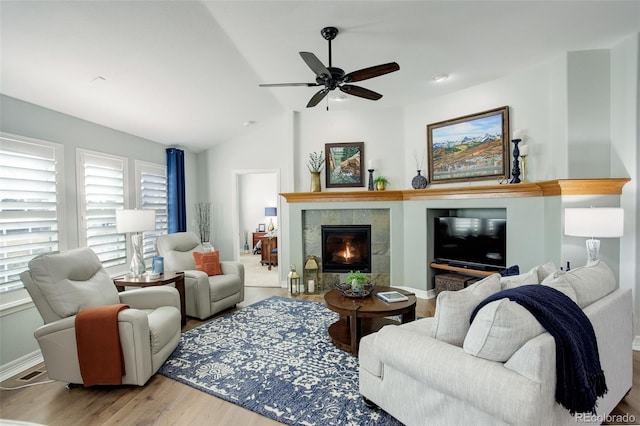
[(275, 358)]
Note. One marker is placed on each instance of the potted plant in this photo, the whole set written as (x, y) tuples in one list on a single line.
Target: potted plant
[(381, 182), (316, 161), (357, 280)]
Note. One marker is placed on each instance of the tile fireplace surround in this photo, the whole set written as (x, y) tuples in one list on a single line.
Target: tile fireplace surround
[(402, 224)]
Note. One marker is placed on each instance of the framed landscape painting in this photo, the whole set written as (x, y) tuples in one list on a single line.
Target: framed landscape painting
[(473, 147), (344, 164)]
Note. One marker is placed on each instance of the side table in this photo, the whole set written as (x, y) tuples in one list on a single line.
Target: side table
[(166, 278), (359, 317)]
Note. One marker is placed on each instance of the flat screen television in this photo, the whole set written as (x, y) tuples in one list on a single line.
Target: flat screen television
[(480, 243)]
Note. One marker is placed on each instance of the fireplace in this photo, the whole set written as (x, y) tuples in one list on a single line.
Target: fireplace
[(346, 248)]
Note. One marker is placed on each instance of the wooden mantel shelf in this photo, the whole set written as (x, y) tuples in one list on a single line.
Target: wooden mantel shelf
[(603, 186)]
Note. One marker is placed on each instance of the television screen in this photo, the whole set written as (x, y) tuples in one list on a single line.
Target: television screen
[(470, 241)]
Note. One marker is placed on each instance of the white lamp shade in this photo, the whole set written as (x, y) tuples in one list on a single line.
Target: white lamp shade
[(135, 221), (596, 222)]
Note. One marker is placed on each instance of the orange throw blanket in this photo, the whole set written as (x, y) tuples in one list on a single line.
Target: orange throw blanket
[(98, 343)]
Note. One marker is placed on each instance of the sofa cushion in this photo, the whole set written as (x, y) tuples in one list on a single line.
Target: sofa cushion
[(590, 283), (545, 270), (512, 281), (510, 271), (208, 262), (561, 284), (454, 308), (223, 286), (499, 329)]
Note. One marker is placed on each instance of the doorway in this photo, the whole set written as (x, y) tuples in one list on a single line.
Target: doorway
[(256, 199)]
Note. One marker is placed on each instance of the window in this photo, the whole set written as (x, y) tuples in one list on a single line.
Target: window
[(102, 189), (151, 193), (31, 185)]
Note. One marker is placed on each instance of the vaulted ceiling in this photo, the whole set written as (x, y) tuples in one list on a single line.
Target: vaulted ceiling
[(187, 72)]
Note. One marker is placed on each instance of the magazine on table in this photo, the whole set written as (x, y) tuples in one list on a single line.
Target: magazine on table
[(392, 296)]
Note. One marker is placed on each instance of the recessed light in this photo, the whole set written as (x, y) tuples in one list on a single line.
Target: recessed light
[(440, 77), (248, 123)]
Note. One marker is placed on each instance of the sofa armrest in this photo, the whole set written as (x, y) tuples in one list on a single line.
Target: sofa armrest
[(151, 297), (197, 293), (446, 368), (235, 268), (55, 327)]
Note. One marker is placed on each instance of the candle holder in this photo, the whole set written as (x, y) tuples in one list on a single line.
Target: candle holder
[(515, 171), (370, 179), (523, 157)]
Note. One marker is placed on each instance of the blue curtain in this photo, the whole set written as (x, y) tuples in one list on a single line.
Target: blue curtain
[(176, 204)]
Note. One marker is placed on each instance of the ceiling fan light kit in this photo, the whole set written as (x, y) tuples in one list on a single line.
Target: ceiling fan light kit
[(335, 78)]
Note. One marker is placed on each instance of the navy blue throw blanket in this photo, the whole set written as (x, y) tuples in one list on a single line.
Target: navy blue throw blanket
[(580, 379)]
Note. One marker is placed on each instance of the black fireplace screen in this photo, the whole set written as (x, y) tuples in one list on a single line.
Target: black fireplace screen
[(346, 248)]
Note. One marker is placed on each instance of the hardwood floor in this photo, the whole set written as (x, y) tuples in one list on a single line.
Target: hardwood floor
[(163, 401)]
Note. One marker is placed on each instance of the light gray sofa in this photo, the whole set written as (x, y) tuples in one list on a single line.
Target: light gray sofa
[(61, 284), (204, 295), (501, 369)]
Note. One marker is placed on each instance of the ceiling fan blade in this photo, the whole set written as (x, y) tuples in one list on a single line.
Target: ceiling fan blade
[(371, 72), (350, 89), (317, 98), (315, 64), (288, 84)]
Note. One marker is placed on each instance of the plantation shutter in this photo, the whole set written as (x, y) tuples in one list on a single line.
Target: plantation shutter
[(152, 195), (29, 188), (102, 181)]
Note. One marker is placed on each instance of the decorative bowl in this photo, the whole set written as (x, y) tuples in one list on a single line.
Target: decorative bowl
[(347, 290)]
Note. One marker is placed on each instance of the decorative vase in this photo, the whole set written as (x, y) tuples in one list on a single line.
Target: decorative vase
[(207, 246), (315, 182), (356, 286), (419, 181), (380, 186)]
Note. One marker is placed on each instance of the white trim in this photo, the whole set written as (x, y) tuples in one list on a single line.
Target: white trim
[(636, 343), (16, 306), (19, 365)]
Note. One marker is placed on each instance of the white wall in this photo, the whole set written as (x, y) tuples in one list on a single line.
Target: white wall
[(531, 98), (625, 156), (18, 316), (381, 130)]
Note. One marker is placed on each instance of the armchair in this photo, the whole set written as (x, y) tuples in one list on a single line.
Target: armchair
[(204, 295), (62, 284)]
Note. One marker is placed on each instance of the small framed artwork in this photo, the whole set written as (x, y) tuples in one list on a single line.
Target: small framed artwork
[(473, 147), (344, 164), (261, 227)]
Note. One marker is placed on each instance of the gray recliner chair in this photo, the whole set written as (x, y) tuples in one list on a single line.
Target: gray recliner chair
[(61, 284), (204, 295)]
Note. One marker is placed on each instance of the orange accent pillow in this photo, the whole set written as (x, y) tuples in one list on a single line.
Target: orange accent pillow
[(208, 262)]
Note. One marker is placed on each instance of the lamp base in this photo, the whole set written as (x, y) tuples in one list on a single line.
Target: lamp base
[(593, 251), (137, 267)]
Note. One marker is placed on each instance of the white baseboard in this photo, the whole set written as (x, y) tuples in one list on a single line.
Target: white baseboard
[(420, 294), (19, 365), (636, 343)]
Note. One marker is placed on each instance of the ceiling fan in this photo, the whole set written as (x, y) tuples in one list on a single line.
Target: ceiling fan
[(332, 77)]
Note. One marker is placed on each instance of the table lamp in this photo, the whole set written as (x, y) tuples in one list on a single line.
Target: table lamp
[(601, 222), (271, 212), (136, 222)]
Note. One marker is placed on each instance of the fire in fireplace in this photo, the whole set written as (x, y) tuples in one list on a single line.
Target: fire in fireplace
[(346, 248)]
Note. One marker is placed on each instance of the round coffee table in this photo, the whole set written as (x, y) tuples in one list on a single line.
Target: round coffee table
[(359, 317)]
